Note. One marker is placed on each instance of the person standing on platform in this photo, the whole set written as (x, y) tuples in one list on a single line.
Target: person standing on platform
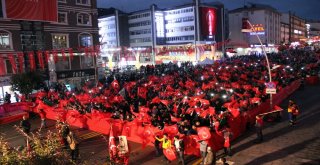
[(203, 150), (259, 125), (179, 145), (25, 125), (166, 144)]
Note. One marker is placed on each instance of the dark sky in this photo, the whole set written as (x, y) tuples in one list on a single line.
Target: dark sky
[(309, 9)]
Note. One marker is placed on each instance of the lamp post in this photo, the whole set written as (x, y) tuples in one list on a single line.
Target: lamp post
[(263, 52)]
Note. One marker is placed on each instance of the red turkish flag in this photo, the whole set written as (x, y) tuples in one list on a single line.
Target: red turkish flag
[(34, 10), (32, 61), (13, 63), (204, 133), (21, 61), (70, 53), (170, 154), (63, 55), (55, 55), (46, 56), (115, 85), (2, 67), (40, 59), (112, 145), (142, 92)]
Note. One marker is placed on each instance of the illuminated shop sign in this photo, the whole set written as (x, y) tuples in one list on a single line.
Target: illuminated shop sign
[(258, 29)]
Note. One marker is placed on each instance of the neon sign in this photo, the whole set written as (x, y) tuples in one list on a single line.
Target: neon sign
[(258, 29)]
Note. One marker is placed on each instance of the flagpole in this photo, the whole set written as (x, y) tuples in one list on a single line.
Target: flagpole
[(265, 54)]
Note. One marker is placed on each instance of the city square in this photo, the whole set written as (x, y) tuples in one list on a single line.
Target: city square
[(199, 82)]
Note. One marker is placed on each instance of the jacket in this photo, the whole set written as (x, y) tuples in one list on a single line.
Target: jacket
[(165, 143)]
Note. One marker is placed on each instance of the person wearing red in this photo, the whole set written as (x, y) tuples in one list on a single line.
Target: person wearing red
[(227, 145), (259, 125)]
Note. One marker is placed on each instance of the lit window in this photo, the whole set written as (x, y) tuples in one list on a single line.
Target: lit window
[(85, 40), (83, 19), (5, 40), (63, 18), (60, 41), (83, 2)]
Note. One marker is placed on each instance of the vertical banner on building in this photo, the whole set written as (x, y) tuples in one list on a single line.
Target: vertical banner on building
[(21, 61), (208, 17), (46, 56), (2, 66), (55, 55), (33, 10), (64, 58), (13, 63), (70, 50), (40, 59), (32, 61)]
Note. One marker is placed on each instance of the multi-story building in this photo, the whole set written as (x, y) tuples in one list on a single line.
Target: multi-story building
[(112, 24), (297, 26), (285, 33), (73, 25), (175, 34), (266, 23)]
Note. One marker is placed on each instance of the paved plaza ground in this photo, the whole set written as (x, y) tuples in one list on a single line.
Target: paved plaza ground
[(283, 144)]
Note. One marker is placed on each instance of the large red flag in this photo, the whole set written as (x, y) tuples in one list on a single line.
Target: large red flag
[(142, 92), (63, 55), (2, 67), (32, 61), (13, 63), (21, 61), (46, 56), (40, 59), (55, 55), (70, 53), (115, 85), (112, 145)]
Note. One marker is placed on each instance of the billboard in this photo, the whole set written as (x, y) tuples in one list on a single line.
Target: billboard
[(33, 10), (208, 17)]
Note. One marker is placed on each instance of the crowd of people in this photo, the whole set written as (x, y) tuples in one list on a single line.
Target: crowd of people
[(187, 95)]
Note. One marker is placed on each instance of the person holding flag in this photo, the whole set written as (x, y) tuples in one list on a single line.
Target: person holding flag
[(166, 144)]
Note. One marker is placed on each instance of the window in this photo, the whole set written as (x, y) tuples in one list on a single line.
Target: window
[(83, 19), (63, 18), (60, 41), (5, 40), (83, 2), (63, 1), (85, 39)]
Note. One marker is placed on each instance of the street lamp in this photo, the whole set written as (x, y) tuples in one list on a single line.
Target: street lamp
[(263, 52)]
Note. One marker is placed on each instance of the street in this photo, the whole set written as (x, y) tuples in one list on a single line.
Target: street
[(283, 144)]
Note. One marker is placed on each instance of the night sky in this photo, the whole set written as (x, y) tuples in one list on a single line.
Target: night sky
[(309, 9)]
